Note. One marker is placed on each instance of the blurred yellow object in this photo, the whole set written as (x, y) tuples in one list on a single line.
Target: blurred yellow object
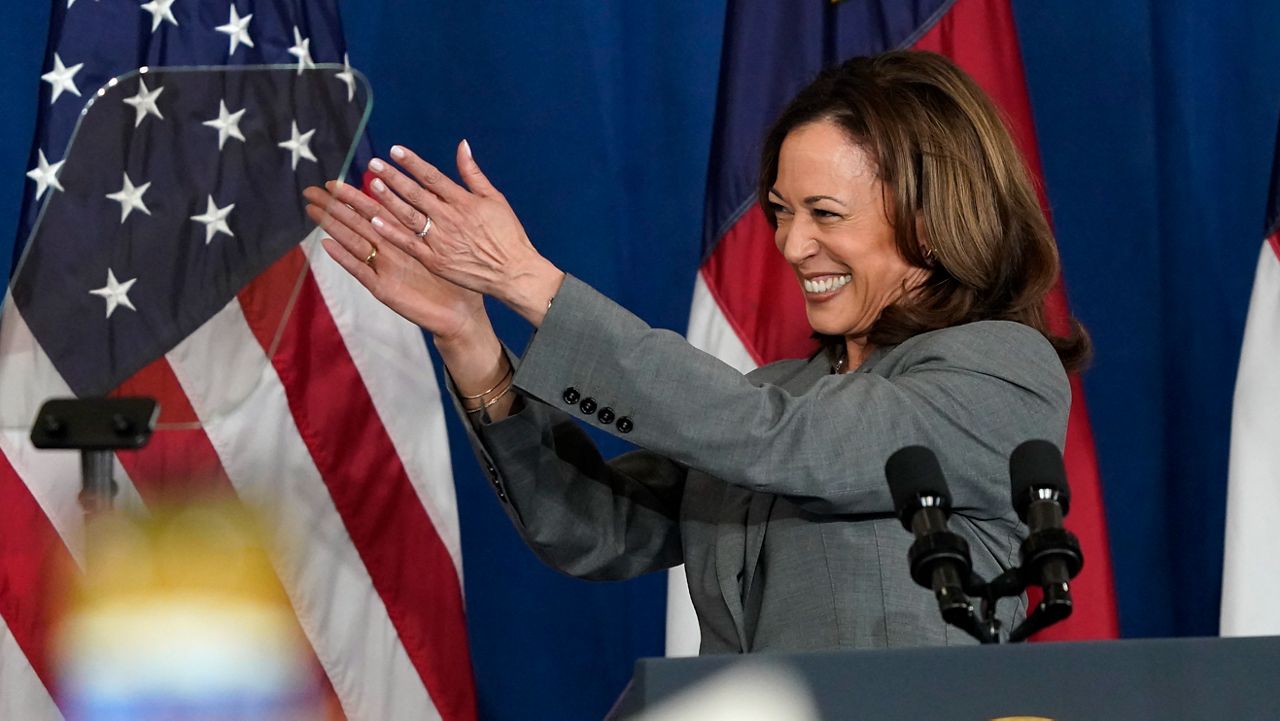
[(179, 615)]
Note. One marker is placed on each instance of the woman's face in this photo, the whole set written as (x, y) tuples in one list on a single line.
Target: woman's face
[(833, 228)]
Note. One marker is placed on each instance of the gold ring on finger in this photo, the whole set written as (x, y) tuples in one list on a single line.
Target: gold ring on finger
[(369, 258), (426, 228)]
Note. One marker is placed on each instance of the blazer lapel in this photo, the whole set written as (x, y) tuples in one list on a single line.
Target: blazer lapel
[(744, 518), (757, 524), (730, 553), (761, 505)]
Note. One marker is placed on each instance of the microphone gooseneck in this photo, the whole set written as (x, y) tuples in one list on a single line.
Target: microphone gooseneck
[(1051, 554), (939, 558)]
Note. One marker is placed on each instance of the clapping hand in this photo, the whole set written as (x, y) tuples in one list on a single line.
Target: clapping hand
[(392, 276), (469, 235)]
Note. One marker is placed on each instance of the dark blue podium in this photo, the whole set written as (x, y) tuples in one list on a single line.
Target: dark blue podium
[(1201, 679)]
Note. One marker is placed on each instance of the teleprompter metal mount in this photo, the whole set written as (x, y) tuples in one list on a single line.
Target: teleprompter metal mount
[(97, 427)]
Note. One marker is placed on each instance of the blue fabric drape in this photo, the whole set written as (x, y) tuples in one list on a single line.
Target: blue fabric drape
[(1156, 121), (1156, 124)]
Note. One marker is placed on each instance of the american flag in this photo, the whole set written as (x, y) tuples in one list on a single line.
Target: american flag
[(171, 258)]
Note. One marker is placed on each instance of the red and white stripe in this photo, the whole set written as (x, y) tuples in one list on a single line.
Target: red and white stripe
[(22, 693), (1251, 568), (325, 418)]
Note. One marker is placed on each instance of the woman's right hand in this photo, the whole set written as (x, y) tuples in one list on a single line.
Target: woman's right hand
[(455, 316), (445, 310)]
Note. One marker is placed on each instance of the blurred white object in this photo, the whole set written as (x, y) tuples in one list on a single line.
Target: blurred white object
[(179, 616), (759, 692), (193, 652)]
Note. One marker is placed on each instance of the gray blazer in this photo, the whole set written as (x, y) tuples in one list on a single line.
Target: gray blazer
[(769, 487)]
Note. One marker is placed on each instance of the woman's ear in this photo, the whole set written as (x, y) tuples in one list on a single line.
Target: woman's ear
[(922, 238)]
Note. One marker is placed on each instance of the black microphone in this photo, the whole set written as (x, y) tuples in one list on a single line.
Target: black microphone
[(939, 558), (1051, 554)]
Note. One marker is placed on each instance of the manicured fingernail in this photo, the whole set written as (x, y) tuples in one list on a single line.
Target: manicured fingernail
[(466, 147), (378, 166), (377, 222), (379, 186), (329, 186), (397, 152)]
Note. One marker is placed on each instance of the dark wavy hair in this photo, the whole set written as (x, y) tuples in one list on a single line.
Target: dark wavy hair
[(952, 174)]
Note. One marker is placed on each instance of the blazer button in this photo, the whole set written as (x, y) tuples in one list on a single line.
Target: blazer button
[(625, 425), (606, 415), (571, 395), (588, 405)]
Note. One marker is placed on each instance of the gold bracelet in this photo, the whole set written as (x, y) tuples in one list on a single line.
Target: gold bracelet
[(486, 392), (493, 400)]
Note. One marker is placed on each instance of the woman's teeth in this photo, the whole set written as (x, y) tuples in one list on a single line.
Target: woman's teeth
[(825, 284)]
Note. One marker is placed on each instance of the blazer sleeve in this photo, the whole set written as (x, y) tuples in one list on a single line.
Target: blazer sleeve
[(971, 393), (581, 514)]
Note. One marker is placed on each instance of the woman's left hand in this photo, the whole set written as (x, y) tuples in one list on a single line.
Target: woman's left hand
[(470, 236)]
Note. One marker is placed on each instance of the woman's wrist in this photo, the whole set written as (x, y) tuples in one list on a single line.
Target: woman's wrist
[(475, 359), (483, 377), (530, 292)]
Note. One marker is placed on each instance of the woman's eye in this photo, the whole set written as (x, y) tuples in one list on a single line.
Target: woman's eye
[(777, 208), (820, 213)]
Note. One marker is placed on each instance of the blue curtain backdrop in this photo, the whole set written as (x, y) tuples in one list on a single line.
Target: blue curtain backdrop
[(1156, 121)]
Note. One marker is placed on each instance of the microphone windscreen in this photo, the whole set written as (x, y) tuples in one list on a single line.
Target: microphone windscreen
[(1037, 463), (912, 472)]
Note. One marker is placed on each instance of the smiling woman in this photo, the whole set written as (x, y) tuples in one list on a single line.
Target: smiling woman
[(828, 207), (913, 230), (913, 153)]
